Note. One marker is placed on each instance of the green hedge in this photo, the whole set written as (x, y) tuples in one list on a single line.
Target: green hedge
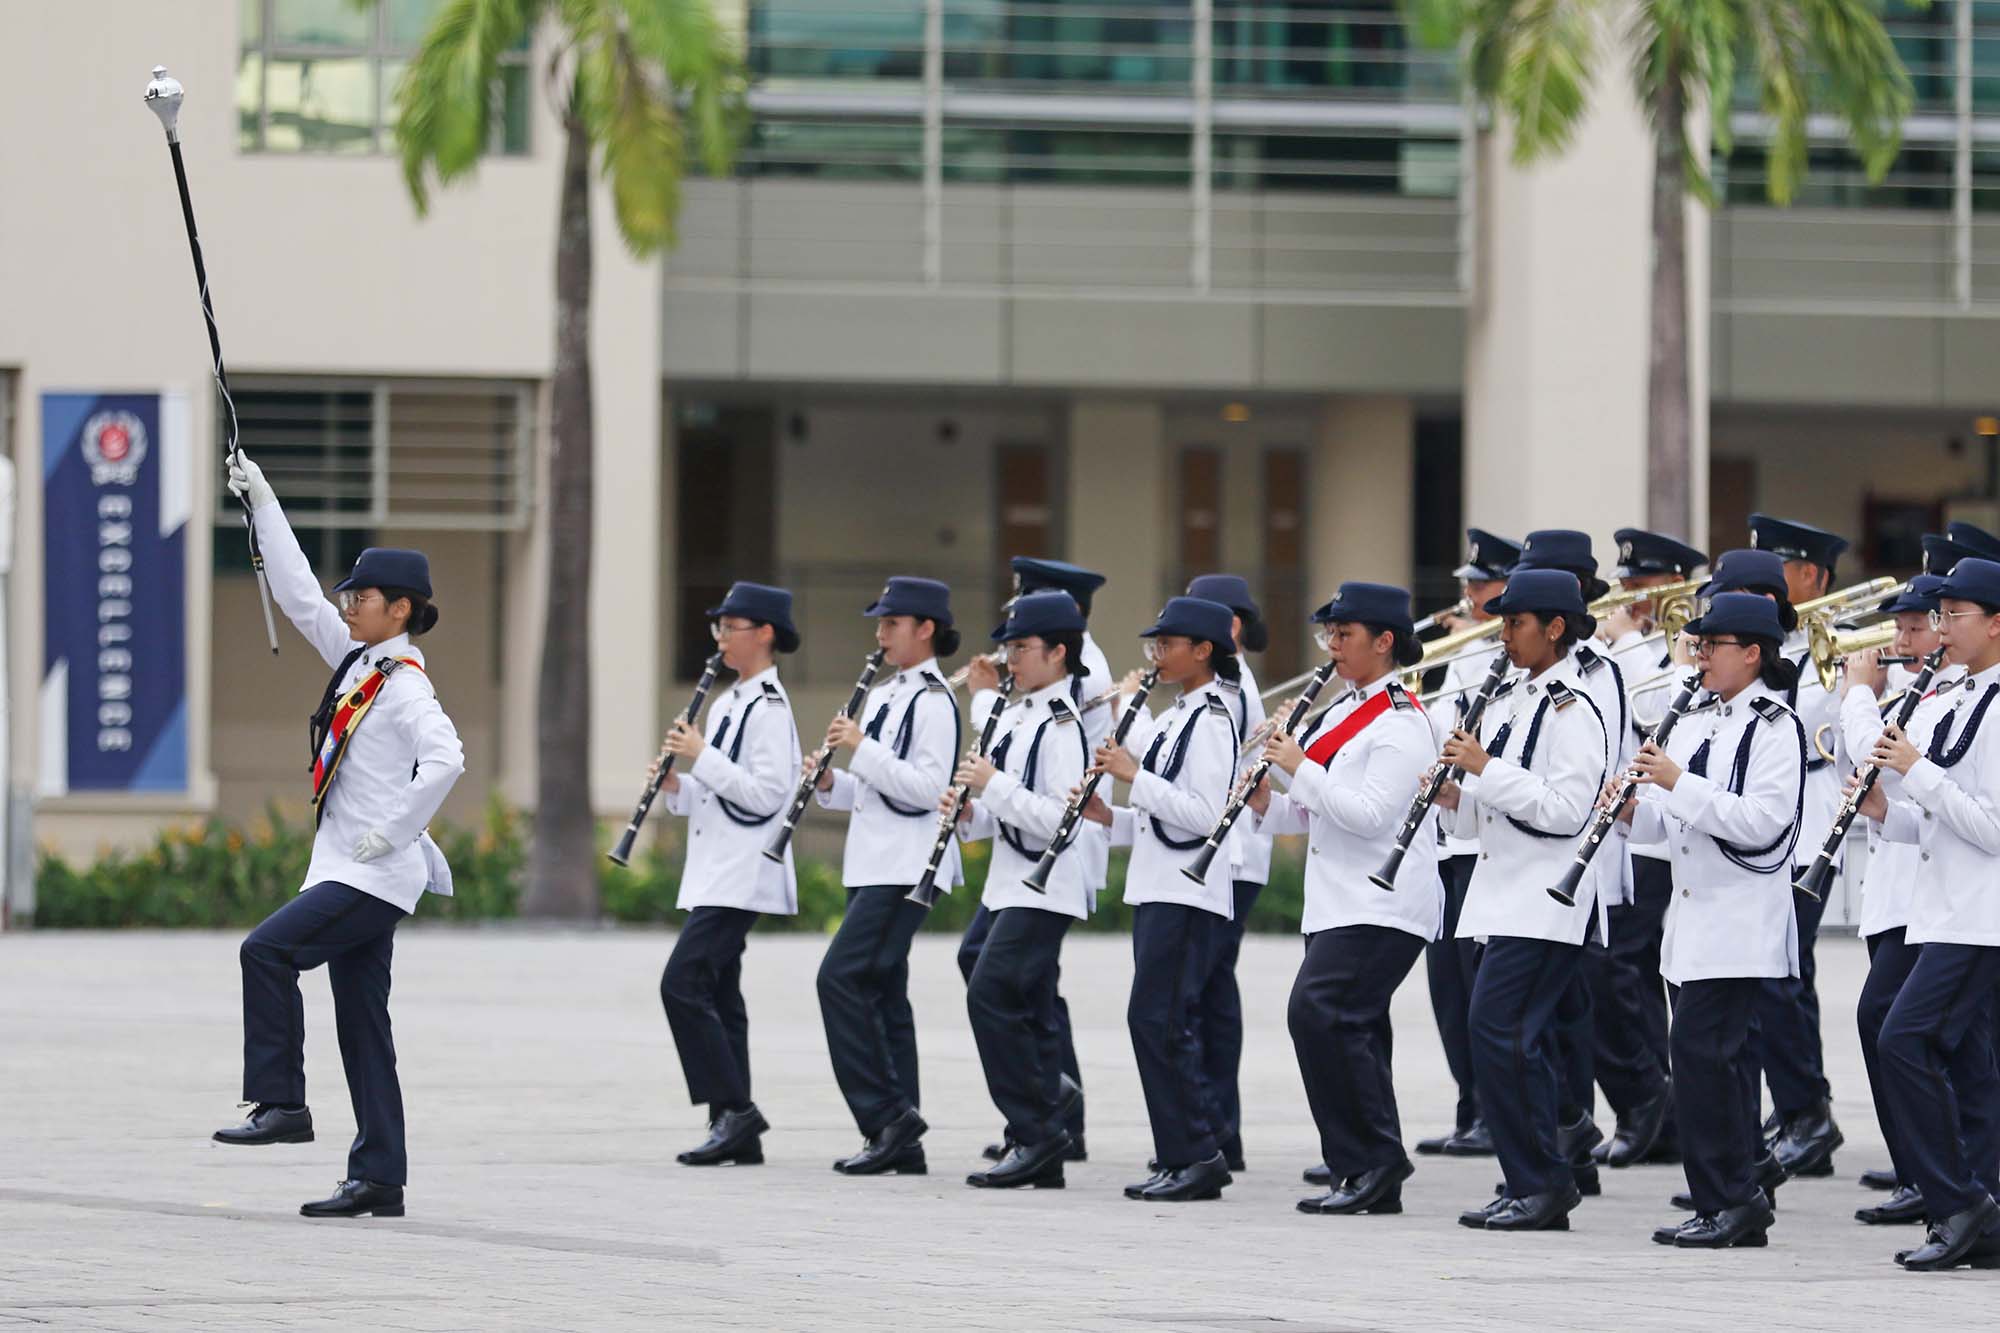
[(213, 875)]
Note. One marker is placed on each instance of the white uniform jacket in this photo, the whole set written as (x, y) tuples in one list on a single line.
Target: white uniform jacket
[(1351, 808), (1892, 866), (1462, 677), (892, 784), (1609, 686), (1817, 708), (732, 798), (1531, 807), (1729, 830), (1249, 850), (1040, 752), (402, 756), (1187, 764), (1643, 662), (1950, 808)]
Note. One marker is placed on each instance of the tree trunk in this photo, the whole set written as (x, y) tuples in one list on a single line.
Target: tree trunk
[(1669, 467), (563, 879)]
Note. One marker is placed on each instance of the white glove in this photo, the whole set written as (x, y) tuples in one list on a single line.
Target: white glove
[(373, 845), (246, 480)]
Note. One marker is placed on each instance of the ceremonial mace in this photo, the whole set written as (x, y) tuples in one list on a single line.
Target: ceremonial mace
[(163, 98)]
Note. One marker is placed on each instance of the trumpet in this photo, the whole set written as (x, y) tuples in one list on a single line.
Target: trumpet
[(1829, 647), (1038, 878), (1426, 796), (1461, 607), (1197, 870), (958, 678), (1814, 878), (1855, 597), (925, 893), (822, 760), (622, 853)]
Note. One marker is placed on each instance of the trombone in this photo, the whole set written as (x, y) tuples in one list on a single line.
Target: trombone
[(1674, 602)]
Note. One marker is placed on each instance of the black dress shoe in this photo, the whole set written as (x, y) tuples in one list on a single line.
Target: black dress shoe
[(1038, 1165), (1880, 1178), (733, 1136), (1160, 1173), (1232, 1153), (1601, 1154), (1638, 1132), (1951, 1239), (1548, 1211), (1474, 1142), (1768, 1174), (358, 1198), (1199, 1180), (1075, 1152), (1376, 1191), (1432, 1147), (270, 1124), (1905, 1205), (888, 1148), (1476, 1217), (1665, 1235), (1806, 1147), (1743, 1226), (1321, 1175), (1771, 1130), (993, 1152)]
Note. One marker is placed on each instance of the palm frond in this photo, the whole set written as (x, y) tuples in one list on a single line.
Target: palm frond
[(636, 127), (445, 99), (1545, 72), (704, 71), (1862, 78)]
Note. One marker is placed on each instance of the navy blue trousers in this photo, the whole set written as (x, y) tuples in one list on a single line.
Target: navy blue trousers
[(1514, 1001), (1449, 966), (1009, 998), (1785, 1043), (864, 999), (1935, 1057), (1714, 1093), (1576, 1044), (1173, 953), (1890, 959), (1628, 999), (1219, 1023), (1054, 1014), (354, 934), (1339, 1017), (702, 992)]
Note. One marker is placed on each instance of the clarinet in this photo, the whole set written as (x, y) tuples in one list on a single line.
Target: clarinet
[(822, 761), (622, 853), (1601, 824), (1197, 870), (1385, 878), (925, 894), (1038, 878), (1814, 880)]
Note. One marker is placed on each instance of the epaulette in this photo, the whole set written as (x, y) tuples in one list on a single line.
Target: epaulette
[(771, 691), (1505, 686), (1062, 711), (1587, 659), (1214, 703), (1399, 697), (935, 683), (1229, 686), (1561, 696), (1771, 710)]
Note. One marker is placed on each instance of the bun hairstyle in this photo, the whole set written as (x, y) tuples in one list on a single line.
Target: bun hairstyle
[(1222, 659), (1576, 629), (1256, 634), (1773, 668), (1788, 616), (944, 640), (423, 615), (1072, 642)]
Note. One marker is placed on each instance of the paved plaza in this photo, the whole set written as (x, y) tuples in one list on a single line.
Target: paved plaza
[(545, 1107)]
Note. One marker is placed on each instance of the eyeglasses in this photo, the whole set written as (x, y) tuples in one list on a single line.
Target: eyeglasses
[(1015, 647), (1938, 618), (1707, 647), (350, 599), (719, 631)]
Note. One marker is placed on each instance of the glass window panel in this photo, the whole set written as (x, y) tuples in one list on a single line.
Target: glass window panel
[(249, 100), (408, 21), (516, 103), (250, 21), (320, 23), (321, 106)]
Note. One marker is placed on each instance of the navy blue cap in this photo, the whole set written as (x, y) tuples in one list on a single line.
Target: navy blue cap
[(1740, 613), (1745, 570), (1976, 540), (1041, 614), (1381, 605), (1567, 550), (1941, 553), (766, 605), (1642, 552), (1488, 557), (1033, 574), (1232, 590), (1974, 580), (1195, 618), (906, 595), (389, 567), (1546, 592), (1920, 594), (1795, 541)]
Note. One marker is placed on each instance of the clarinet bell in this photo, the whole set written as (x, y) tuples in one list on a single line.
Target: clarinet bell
[(925, 894), (1385, 878), (1197, 870), (1038, 878), (1813, 883), (622, 853)]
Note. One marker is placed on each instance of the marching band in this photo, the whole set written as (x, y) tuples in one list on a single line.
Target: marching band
[(1597, 827)]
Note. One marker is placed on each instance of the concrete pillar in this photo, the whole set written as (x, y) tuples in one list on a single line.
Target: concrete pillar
[(1358, 521), (1118, 515)]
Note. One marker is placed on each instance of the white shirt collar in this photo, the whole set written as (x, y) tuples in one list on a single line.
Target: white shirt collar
[(917, 671), (769, 673)]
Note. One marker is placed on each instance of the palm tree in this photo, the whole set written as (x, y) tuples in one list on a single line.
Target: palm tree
[(1534, 59), (641, 87)]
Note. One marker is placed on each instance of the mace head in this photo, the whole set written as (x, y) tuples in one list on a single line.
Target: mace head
[(163, 95)]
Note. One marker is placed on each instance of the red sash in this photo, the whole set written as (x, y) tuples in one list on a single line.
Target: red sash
[(1327, 745), (346, 717)]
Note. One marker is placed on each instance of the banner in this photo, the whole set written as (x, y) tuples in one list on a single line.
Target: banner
[(116, 495)]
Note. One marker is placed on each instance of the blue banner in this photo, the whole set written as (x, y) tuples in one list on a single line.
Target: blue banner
[(116, 493)]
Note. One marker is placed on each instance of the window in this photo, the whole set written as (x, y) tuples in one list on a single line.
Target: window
[(1201, 512), (319, 76), (350, 456), (1285, 593)]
